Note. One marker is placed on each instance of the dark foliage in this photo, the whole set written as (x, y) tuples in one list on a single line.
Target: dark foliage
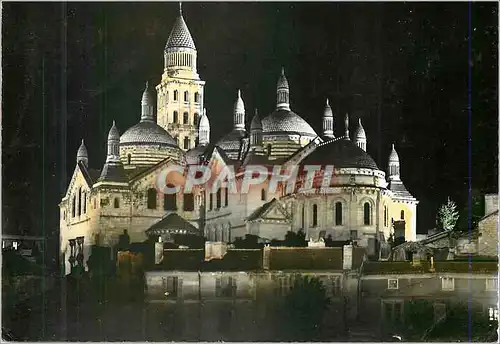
[(249, 242)]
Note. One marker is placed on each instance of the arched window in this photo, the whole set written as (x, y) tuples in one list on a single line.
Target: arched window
[(186, 96), (366, 214), (196, 97), (188, 202), (117, 202), (219, 198), (129, 158), (85, 203), (166, 97), (386, 217), (186, 143), (195, 119), (79, 201), (176, 117), (263, 194), (170, 200), (402, 214), (226, 197), (211, 201), (315, 215), (338, 214), (73, 207), (185, 118), (269, 149), (175, 95), (95, 203), (151, 198)]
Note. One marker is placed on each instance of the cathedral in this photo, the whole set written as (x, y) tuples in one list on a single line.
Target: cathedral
[(363, 203)]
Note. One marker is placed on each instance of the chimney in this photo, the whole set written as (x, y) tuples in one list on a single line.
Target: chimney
[(347, 257)]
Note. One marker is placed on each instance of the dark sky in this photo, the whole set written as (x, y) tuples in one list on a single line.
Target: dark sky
[(70, 69)]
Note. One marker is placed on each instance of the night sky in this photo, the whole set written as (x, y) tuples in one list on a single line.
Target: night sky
[(70, 69)]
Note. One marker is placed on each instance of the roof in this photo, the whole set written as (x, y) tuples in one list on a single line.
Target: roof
[(304, 258), (487, 216), (172, 223), (193, 155), (261, 210), (15, 264), (147, 132), (232, 141), (180, 37), (90, 175), (341, 154), (113, 172), (398, 189), (286, 121), (380, 268)]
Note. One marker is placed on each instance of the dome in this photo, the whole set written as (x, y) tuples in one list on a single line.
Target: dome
[(328, 110), (239, 106), (287, 121), (232, 141), (147, 133), (113, 133), (393, 157), (82, 154), (180, 37), (256, 122), (193, 155), (360, 134), (340, 153)]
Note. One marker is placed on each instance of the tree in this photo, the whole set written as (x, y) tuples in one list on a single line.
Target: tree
[(304, 308), (295, 239), (448, 215)]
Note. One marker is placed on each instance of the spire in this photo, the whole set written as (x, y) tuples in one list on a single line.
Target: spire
[(180, 8), (180, 37), (239, 113), (346, 126), (113, 144), (393, 168), (328, 121), (256, 132), (204, 130), (282, 92), (360, 136), (147, 103), (82, 154)]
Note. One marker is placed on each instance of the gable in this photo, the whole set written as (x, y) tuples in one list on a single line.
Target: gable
[(77, 180), (270, 212), (149, 178)]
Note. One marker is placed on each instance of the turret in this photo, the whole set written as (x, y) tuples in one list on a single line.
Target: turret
[(393, 168), (204, 130), (113, 168), (346, 126), (282, 93), (82, 154), (239, 113), (360, 136), (328, 122), (147, 103)]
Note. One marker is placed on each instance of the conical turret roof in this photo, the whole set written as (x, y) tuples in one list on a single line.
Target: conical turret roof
[(180, 37)]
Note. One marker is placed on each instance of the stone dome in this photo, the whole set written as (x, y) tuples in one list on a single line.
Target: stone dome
[(232, 141), (341, 153), (194, 154), (180, 37), (147, 132), (286, 121)]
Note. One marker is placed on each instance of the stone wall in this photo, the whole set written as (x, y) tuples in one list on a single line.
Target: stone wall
[(490, 203), (488, 241)]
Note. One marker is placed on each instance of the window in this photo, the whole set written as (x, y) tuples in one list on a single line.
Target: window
[(354, 235), (129, 158), (303, 216), (176, 117), (392, 284), (338, 214), (219, 198), (226, 197), (315, 215), (166, 97), (211, 202), (170, 200), (196, 97), (64, 215), (493, 313), (85, 203), (79, 201), (175, 95), (263, 194), (402, 214), (186, 96), (392, 311), (366, 214), (335, 286), (269, 149), (186, 143), (117, 203), (385, 216), (195, 119), (282, 285), (172, 286), (95, 203), (448, 283), (151, 198), (188, 202), (225, 286), (185, 118), (491, 284)]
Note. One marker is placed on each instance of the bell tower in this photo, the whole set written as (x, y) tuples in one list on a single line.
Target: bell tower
[(181, 91)]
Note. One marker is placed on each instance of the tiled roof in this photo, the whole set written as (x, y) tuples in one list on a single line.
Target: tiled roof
[(147, 132), (172, 222), (261, 210), (285, 121), (232, 141), (194, 260), (398, 188), (180, 37), (340, 154), (381, 268), (113, 172), (299, 258)]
